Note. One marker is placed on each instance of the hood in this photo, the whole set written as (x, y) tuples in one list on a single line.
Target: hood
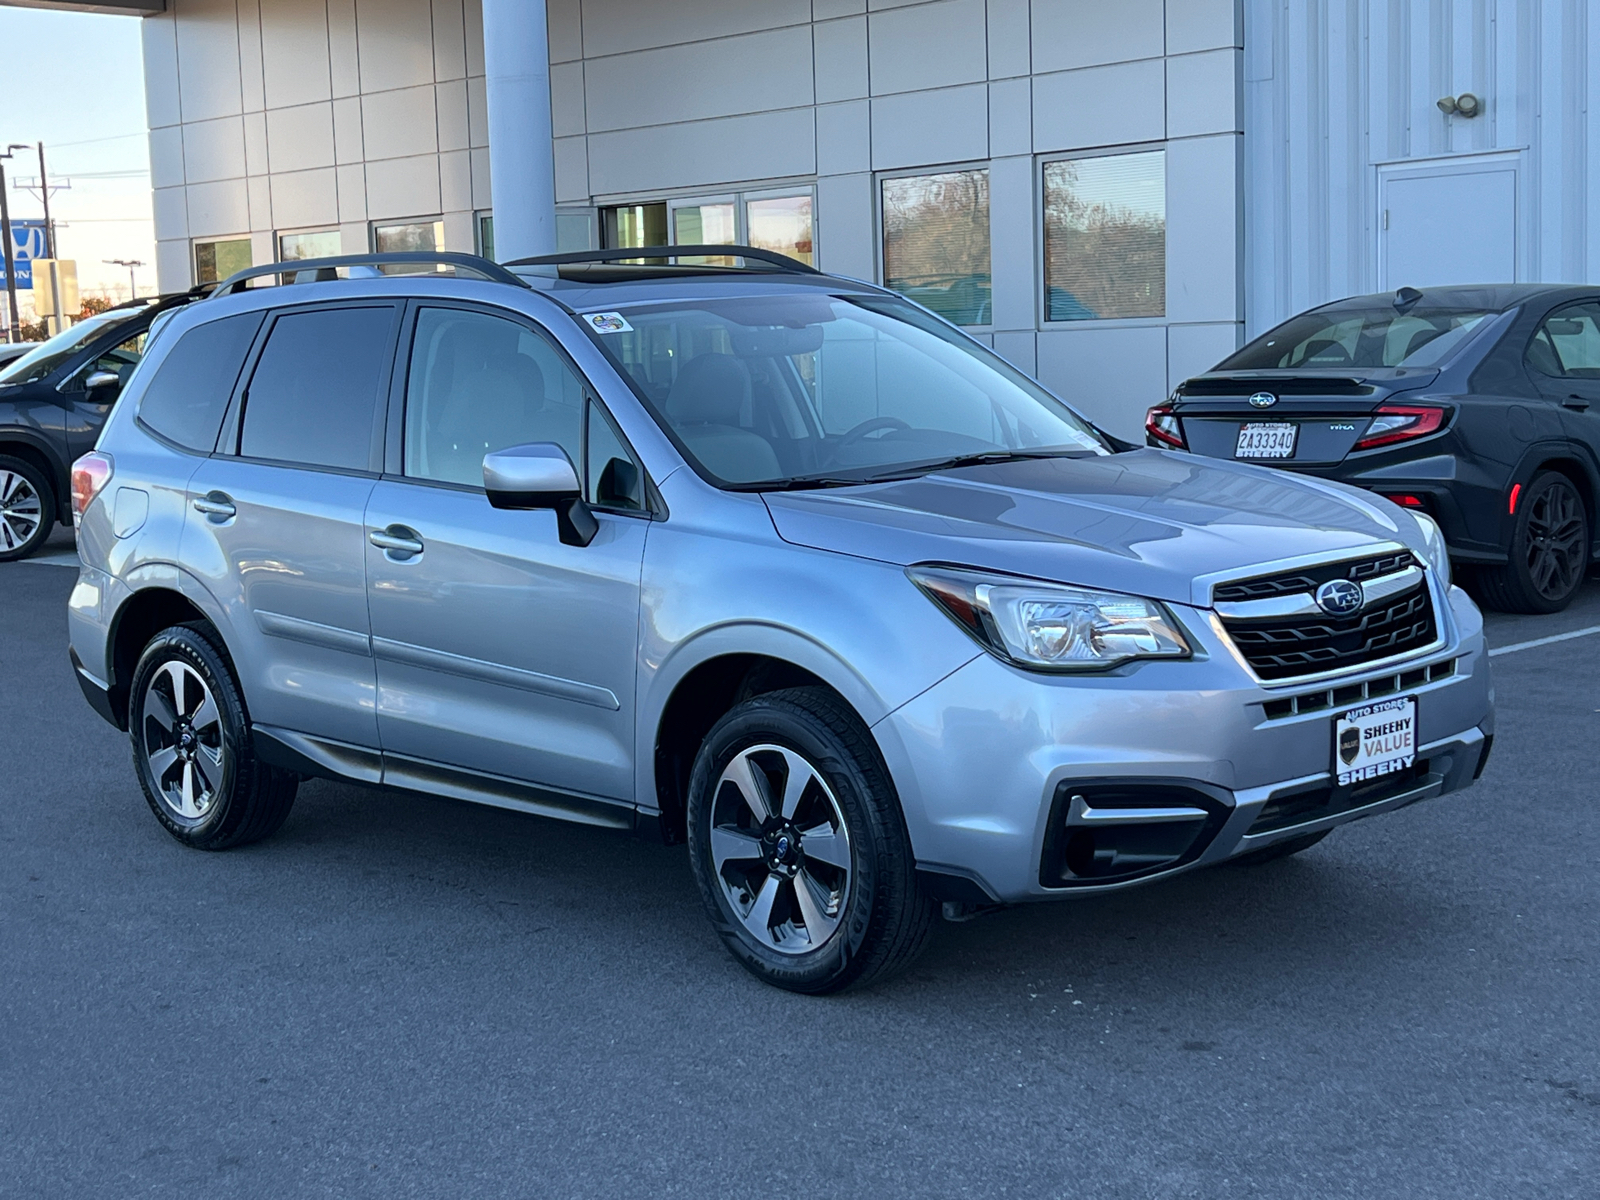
[(1148, 522)]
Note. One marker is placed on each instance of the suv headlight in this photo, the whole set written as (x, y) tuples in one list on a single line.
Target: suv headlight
[(1437, 553), (1046, 626)]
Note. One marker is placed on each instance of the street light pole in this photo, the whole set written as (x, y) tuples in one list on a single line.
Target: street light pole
[(130, 263), (10, 253), (44, 190)]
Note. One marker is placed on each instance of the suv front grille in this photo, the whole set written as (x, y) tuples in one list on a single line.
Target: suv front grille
[(1289, 647)]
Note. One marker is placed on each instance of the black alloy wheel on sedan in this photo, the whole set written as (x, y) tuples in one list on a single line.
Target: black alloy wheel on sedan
[(1477, 406)]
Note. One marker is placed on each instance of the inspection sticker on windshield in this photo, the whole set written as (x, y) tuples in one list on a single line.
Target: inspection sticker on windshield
[(1374, 741), (608, 322)]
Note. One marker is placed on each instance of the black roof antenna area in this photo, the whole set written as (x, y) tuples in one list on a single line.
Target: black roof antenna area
[(1406, 297)]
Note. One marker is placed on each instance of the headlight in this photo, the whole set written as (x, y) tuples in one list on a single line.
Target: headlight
[(1438, 554), (1045, 626)]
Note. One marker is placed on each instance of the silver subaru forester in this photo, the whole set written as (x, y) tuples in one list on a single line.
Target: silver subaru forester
[(746, 556)]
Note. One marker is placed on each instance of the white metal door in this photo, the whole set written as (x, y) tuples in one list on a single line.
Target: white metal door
[(1447, 222)]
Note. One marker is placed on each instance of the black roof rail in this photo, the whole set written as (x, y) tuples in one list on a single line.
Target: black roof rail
[(628, 253), (327, 269)]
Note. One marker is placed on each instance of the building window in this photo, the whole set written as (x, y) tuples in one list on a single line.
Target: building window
[(630, 225), (1105, 237), (404, 236), (781, 223), (320, 243), (485, 231), (215, 261), (936, 242)]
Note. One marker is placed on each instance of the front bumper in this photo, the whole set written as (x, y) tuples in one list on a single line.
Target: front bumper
[(988, 762)]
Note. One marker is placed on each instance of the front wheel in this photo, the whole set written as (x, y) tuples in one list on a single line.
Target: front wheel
[(27, 508), (799, 847), (192, 748), (1549, 552)]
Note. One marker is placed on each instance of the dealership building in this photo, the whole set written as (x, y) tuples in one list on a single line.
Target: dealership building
[(1113, 193)]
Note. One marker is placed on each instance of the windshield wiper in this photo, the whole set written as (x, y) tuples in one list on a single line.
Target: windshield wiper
[(983, 458), (806, 483)]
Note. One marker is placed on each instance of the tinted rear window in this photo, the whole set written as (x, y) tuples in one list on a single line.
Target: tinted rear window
[(1342, 338), (189, 394), (313, 398)]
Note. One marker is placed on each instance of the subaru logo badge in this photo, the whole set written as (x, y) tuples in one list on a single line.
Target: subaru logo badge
[(1263, 400), (1340, 597)]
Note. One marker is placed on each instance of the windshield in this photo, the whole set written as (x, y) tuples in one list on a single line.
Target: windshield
[(47, 356), (1338, 339), (781, 390)]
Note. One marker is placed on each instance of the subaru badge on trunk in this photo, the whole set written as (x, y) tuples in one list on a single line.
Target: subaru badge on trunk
[(1262, 400)]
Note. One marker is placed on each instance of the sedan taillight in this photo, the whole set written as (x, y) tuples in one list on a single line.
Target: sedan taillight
[(1161, 423), (1400, 423), (90, 474)]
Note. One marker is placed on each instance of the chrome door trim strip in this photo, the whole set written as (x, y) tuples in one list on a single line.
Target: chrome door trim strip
[(488, 672), (313, 633)]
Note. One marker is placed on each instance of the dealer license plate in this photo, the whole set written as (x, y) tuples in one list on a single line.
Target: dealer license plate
[(1375, 740), (1261, 439)]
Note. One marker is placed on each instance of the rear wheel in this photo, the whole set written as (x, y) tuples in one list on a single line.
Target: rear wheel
[(799, 847), (1549, 552), (192, 747), (27, 508)]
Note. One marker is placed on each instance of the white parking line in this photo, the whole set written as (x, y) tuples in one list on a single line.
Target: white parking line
[(56, 558), (1544, 641)]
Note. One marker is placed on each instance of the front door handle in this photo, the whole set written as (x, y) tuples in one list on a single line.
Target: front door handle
[(397, 542), (216, 506), (1577, 402)]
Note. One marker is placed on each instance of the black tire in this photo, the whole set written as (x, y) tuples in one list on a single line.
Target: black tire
[(1549, 551), (881, 918), (27, 508), (212, 792), (1281, 849)]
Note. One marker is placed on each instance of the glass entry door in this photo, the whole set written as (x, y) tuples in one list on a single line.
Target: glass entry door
[(705, 223)]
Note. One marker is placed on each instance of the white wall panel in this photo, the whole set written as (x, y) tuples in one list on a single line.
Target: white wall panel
[(218, 209), (347, 147), (760, 146), (258, 197), (472, 15), (572, 168), (399, 123), (845, 240), (480, 179), (477, 112), (1203, 252), (1203, 25), (208, 59), (1012, 244), (344, 57), (294, 52), (301, 138), (822, 10), (1100, 106), (926, 128), (1010, 39), (844, 138), (303, 198), (564, 21), (1193, 349), (352, 184), (1203, 93), (617, 26), (455, 182), (1084, 33), (1019, 348), (159, 38), (166, 157), (173, 268), (169, 206), (403, 187), (1110, 375), (451, 102), (252, 80), (256, 159), (566, 99), (449, 40), (1010, 117), (840, 59), (213, 150), (395, 41), (703, 79), (928, 46)]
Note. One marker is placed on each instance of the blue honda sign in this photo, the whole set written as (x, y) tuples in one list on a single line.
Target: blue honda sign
[(27, 244)]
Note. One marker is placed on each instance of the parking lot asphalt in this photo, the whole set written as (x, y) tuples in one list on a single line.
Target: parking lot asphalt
[(407, 996)]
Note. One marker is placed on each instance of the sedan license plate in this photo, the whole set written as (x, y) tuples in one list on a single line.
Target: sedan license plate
[(1261, 439), (1375, 740)]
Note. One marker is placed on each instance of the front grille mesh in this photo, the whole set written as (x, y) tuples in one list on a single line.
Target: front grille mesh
[(1287, 647)]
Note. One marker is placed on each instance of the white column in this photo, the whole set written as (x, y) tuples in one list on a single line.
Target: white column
[(516, 57)]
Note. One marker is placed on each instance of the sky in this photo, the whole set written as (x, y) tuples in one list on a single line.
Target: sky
[(76, 82)]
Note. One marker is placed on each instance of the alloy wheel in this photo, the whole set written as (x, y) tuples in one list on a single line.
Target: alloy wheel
[(1556, 535), (183, 740), (20, 510), (780, 849)]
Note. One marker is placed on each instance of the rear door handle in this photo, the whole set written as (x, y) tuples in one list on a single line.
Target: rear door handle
[(218, 506), (1577, 402), (397, 542)]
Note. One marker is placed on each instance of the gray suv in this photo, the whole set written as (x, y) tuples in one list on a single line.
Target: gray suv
[(742, 555)]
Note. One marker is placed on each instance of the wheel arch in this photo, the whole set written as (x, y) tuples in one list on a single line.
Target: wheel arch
[(706, 678), (145, 613), (1565, 459)]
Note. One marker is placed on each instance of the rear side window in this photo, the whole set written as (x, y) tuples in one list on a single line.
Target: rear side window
[(189, 394), (314, 396), (1568, 343)]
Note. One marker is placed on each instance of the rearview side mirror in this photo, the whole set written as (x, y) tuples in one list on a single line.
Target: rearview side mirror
[(99, 380), (540, 475)]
